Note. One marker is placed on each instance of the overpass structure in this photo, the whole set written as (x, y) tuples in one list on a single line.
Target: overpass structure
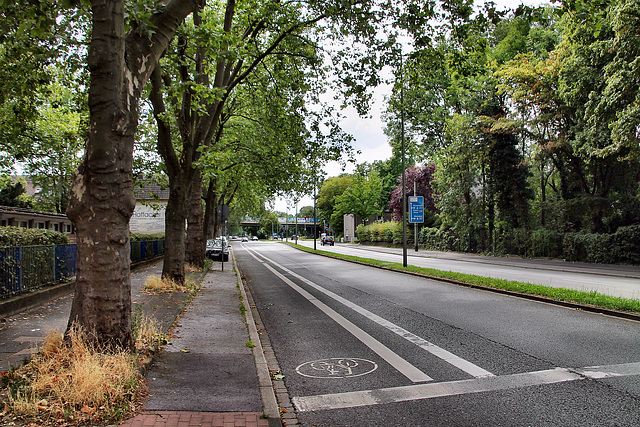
[(288, 224)]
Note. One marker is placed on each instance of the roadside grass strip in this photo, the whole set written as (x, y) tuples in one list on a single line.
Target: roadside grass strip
[(592, 298)]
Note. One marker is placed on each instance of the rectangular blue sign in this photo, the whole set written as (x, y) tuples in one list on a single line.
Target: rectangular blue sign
[(416, 209)]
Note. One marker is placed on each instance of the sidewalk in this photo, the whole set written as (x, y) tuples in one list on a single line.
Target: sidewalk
[(206, 376)]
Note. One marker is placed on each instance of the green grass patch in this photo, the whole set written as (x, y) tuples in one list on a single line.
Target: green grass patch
[(592, 298)]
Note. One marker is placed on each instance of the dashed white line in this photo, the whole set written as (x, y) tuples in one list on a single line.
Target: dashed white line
[(408, 370)]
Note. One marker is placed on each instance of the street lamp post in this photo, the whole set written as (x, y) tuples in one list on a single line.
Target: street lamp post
[(315, 217), (404, 189), (271, 226)]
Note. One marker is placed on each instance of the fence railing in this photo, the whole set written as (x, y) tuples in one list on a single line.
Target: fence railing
[(28, 268)]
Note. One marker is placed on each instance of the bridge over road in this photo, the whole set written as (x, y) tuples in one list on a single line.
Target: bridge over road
[(304, 225)]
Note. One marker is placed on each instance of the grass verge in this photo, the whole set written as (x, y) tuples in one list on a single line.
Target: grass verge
[(593, 298)]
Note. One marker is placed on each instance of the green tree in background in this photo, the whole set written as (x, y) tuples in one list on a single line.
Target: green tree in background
[(330, 190), (362, 198), (14, 194)]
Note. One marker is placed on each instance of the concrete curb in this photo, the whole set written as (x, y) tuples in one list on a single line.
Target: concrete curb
[(267, 393)]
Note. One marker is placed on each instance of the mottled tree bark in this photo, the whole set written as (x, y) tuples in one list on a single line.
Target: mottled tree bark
[(102, 199)]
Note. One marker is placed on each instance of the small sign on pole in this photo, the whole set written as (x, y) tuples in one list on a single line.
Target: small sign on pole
[(416, 209)]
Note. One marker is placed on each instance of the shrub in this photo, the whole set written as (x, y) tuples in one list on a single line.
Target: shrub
[(386, 232), (545, 244), (135, 237), (626, 241), (363, 233), (20, 236), (587, 247)]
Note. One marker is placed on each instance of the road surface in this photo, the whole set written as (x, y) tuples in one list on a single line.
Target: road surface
[(360, 346), (613, 280)]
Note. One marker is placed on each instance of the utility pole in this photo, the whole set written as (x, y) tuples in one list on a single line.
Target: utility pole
[(415, 224), (404, 189)]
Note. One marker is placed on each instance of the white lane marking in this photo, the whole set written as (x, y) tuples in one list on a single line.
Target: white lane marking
[(454, 388), (408, 370), (609, 371), (439, 352)]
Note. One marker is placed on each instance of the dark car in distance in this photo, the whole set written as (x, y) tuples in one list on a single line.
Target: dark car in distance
[(217, 249), (327, 240)]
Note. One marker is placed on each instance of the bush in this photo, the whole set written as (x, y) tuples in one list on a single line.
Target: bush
[(626, 240), (139, 237), (362, 232), (587, 247), (19, 236), (545, 244), (386, 232)]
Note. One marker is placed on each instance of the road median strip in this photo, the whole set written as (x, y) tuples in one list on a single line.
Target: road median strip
[(588, 301)]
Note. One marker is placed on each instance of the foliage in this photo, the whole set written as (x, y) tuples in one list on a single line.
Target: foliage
[(19, 236), (53, 148), (620, 247), (330, 190), (36, 35), (421, 178), (14, 194), (530, 118), (135, 237), (362, 198), (385, 232)]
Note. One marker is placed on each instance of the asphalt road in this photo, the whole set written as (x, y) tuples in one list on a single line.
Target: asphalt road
[(360, 346), (613, 280)]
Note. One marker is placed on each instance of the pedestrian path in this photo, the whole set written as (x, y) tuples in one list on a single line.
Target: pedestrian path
[(206, 376)]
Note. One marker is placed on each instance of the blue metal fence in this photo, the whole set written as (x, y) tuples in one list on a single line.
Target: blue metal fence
[(27, 268)]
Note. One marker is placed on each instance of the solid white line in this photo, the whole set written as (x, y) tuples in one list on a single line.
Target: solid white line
[(439, 352), (454, 388), (431, 390), (610, 371), (408, 370)]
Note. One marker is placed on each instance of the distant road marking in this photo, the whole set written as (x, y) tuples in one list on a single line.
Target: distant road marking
[(454, 388), (439, 352), (405, 368)]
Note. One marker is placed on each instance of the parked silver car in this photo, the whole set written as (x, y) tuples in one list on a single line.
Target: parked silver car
[(217, 249)]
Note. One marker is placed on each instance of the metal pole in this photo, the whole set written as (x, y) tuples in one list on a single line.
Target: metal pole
[(415, 224), (404, 189), (315, 217)]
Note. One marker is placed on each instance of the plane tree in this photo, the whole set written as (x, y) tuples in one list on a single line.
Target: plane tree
[(124, 49), (209, 59)]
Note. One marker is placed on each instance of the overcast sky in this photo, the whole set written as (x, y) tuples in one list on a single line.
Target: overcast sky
[(369, 135)]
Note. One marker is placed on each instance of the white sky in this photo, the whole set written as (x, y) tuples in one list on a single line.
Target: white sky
[(368, 133)]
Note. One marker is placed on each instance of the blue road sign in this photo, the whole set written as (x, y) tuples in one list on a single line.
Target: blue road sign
[(416, 209)]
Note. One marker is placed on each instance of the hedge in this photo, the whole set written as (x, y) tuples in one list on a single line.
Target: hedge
[(20, 236), (621, 247)]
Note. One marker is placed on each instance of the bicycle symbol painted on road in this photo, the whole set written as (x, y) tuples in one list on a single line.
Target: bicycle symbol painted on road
[(337, 367)]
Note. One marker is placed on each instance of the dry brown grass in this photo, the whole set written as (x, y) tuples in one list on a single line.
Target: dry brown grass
[(160, 285), (190, 268), (72, 382), (148, 334)]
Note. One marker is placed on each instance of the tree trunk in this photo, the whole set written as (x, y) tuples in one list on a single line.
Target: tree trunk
[(102, 199), (173, 267), (196, 245)]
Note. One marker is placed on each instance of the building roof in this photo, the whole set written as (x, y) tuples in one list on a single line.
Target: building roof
[(24, 211), (146, 189)]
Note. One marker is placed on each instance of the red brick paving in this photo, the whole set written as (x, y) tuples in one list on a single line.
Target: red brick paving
[(200, 419)]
